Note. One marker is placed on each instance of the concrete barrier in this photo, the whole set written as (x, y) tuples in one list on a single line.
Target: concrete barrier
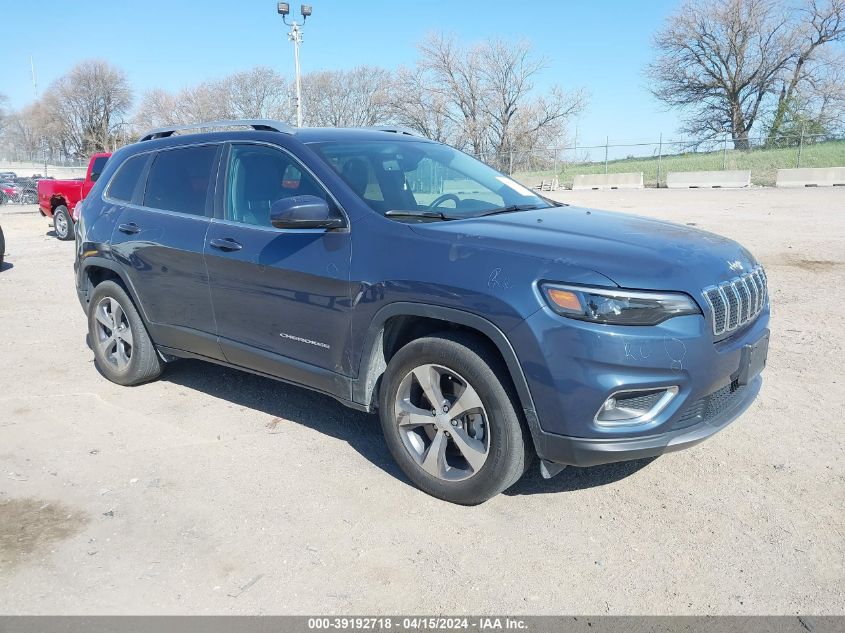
[(708, 179), (815, 177), (633, 180)]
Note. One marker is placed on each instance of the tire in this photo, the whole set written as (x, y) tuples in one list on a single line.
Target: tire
[(62, 223), (456, 362), (2, 248), (129, 357)]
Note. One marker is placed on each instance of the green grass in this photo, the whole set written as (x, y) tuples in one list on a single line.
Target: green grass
[(763, 164)]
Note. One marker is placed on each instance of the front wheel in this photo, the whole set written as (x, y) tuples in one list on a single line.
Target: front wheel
[(62, 223), (449, 418)]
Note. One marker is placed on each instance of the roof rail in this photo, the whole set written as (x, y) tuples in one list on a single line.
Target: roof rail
[(256, 124), (396, 129)]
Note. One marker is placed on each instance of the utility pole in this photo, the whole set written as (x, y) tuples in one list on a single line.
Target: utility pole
[(800, 145), (35, 93), (659, 158), (34, 80), (295, 36)]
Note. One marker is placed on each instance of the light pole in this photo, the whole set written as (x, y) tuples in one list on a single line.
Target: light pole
[(295, 36)]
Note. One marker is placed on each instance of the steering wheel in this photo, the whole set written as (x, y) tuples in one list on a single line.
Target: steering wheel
[(441, 199)]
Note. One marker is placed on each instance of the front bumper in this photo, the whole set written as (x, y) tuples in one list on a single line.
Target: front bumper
[(572, 367), (580, 451)]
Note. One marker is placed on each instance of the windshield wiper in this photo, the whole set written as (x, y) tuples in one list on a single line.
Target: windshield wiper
[(435, 215), (509, 209)]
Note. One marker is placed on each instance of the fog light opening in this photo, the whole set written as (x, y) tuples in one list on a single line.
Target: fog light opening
[(634, 406)]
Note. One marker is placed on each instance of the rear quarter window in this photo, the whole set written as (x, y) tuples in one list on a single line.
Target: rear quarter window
[(179, 179), (123, 184)]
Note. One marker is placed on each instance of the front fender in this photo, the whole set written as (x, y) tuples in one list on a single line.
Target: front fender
[(372, 364)]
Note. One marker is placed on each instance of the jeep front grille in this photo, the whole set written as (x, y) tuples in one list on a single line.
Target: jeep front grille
[(738, 301)]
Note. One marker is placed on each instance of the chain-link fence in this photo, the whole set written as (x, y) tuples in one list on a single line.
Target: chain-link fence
[(53, 167), (557, 167)]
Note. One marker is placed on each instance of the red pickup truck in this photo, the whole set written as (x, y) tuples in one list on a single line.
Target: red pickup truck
[(58, 199)]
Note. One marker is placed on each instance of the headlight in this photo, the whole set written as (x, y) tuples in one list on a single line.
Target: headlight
[(618, 307)]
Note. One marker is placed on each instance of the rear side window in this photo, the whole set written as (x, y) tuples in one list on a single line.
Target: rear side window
[(124, 182), (179, 179), (98, 167)]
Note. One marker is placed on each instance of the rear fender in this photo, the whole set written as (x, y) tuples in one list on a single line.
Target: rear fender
[(94, 261)]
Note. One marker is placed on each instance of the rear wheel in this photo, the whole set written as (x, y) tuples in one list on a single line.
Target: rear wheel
[(123, 350), (449, 418), (62, 223)]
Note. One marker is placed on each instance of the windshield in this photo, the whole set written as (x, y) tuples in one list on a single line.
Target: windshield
[(424, 180)]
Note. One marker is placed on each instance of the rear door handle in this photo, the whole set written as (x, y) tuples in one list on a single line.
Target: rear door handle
[(129, 229), (226, 244)]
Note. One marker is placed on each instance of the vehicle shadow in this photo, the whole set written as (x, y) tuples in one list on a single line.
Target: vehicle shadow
[(6, 266), (51, 233), (572, 478), (282, 403)]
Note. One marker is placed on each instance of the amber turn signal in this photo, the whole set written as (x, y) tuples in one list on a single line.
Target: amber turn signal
[(565, 299)]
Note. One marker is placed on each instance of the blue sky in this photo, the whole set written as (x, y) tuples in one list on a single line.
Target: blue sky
[(601, 46)]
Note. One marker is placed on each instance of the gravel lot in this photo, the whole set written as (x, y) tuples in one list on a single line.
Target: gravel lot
[(214, 491)]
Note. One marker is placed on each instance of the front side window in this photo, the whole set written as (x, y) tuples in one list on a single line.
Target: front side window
[(423, 179), (124, 182), (260, 176), (179, 179)]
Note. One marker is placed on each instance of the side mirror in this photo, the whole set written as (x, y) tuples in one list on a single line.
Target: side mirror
[(303, 212)]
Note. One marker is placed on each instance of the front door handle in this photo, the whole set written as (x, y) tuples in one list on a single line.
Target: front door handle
[(129, 229), (226, 244)]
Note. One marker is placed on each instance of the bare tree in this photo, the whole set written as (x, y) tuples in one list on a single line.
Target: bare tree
[(90, 104), (720, 59), (415, 105), (487, 95), (454, 76), (23, 134), (259, 93), (809, 77), (156, 109), (346, 98), (734, 63), (514, 116)]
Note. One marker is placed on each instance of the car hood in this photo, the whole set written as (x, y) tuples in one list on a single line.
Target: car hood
[(630, 250)]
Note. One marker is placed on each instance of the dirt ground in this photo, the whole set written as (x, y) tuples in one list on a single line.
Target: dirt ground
[(214, 491)]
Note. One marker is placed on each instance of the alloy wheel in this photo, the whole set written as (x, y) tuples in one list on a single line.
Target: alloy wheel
[(60, 224), (113, 333), (442, 422)]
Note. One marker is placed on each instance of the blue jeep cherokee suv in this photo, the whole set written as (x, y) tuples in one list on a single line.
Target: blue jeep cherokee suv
[(485, 323)]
